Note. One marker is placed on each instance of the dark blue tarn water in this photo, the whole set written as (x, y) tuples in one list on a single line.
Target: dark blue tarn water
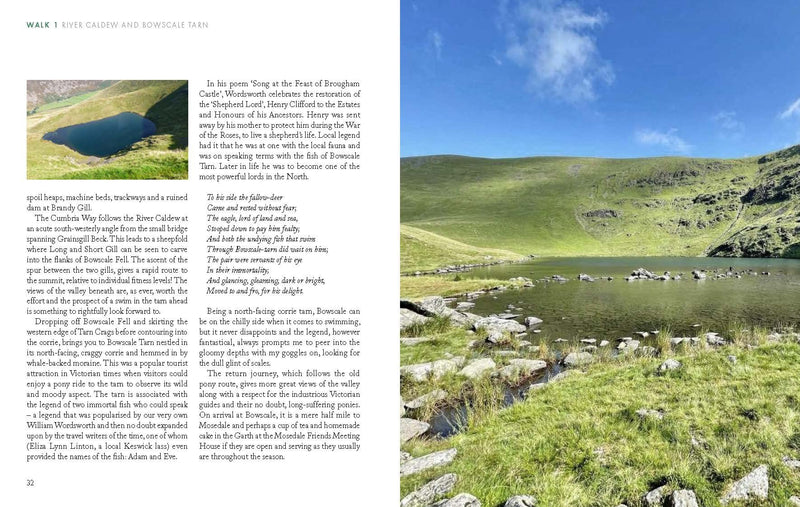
[(610, 309), (101, 138)]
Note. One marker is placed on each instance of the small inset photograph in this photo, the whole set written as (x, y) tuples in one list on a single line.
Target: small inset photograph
[(107, 130)]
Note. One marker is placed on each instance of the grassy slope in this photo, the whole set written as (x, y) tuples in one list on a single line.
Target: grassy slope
[(71, 101), (579, 442), (162, 156), (424, 250), (664, 206)]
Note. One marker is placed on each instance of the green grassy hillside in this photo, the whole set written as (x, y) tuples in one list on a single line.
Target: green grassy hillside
[(563, 206), (161, 156), (422, 250)]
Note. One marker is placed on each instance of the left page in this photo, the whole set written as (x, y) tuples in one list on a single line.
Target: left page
[(201, 245)]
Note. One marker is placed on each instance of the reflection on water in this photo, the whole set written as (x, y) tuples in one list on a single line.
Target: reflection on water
[(611, 309), (104, 137)]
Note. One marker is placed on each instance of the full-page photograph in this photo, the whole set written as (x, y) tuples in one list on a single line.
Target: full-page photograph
[(599, 239)]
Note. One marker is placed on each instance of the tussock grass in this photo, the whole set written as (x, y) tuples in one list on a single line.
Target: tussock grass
[(579, 441)]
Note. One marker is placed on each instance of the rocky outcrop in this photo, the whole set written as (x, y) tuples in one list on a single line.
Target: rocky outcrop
[(432, 460), (411, 428), (753, 486), (435, 369), (656, 496), (521, 501), (460, 500), (574, 359), (429, 398), (410, 342), (432, 306), (669, 364), (647, 413), (518, 368), (684, 498), (491, 324), (428, 493), (792, 463), (478, 367), (409, 318)]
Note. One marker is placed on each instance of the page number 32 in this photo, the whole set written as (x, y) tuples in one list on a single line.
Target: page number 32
[(30, 483)]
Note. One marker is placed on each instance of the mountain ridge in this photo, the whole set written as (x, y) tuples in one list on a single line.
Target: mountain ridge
[(582, 206)]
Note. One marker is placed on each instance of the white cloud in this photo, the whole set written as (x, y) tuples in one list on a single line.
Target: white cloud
[(553, 40), (436, 41), (668, 140), (792, 110), (496, 59), (730, 126)]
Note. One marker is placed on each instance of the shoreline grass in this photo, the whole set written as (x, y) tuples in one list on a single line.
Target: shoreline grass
[(579, 442)]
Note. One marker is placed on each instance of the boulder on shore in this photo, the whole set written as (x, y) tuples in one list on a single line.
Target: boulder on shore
[(436, 369), (574, 359), (521, 368), (490, 324), (409, 318), (478, 367)]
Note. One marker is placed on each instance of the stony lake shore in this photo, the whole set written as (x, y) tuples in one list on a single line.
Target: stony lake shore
[(489, 365)]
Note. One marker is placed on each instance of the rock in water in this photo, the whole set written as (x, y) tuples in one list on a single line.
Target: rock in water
[(754, 485), (432, 460), (520, 501), (490, 324), (533, 321), (684, 498), (428, 493)]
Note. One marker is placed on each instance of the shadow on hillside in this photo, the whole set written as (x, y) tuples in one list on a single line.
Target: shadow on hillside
[(792, 251), (171, 116)]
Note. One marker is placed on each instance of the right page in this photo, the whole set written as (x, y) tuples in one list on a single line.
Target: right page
[(600, 233)]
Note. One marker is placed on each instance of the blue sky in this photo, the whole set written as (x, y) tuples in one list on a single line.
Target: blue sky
[(510, 78)]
